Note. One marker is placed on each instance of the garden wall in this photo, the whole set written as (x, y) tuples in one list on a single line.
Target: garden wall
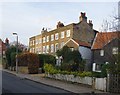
[(96, 83)]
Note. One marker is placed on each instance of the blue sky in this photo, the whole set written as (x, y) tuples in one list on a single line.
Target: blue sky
[(28, 18)]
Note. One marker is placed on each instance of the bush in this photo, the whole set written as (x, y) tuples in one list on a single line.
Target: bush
[(33, 63), (22, 59), (44, 58), (9, 53), (96, 74), (104, 70), (31, 60), (52, 70)]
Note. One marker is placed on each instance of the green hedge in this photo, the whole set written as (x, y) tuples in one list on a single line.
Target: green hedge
[(52, 70), (46, 58)]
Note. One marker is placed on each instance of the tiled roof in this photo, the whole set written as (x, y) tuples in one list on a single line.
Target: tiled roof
[(81, 43), (102, 38)]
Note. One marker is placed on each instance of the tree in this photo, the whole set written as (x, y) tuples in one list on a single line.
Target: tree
[(76, 56), (72, 60), (10, 55), (66, 53)]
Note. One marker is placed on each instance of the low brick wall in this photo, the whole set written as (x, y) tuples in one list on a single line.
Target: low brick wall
[(23, 69)]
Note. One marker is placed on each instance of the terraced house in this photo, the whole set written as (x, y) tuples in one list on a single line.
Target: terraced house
[(51, 41)]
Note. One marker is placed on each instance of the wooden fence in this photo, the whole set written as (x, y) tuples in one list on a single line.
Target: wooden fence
[(114, 83)]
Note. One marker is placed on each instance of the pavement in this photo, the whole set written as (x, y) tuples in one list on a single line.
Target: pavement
[(72, 87)]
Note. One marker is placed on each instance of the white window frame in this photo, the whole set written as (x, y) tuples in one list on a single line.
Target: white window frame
[(56, 48), (44, 49), (52, 37), (47, 49), (52, 48), (62, 44), (36, 41), (30, 50), (62, 34), (30, 43), (33, 42), (40, 40), (47, 39), (33, 50), (68, 33), (56, 36), (115, 50), (101, 52), (44, 39)]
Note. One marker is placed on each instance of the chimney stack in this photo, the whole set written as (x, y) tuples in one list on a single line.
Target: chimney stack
[(59, 24), (90, 23), (83, 17)]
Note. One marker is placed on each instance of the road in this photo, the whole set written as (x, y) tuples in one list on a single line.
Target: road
[(13, 84)]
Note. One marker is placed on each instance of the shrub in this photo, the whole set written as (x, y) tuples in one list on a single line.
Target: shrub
[(45, 58), (52, 70), (33, 63), (31, 60), (83, 74), (22, 59), (104, 70), (9, 51), (96, 74)]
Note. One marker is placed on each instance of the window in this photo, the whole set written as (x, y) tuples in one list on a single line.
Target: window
[(33, 42), (47, 38), (30, 43), (36, 49), (44, 49), (33, 50), (62, 44), (68, 33), (47, 49), (40, 40), (101, 52), (52, 37), (62, 34), (43, 39), (36, 41), (72, 49), (56, 36), (56, 47), (115, 50), (52, 48)]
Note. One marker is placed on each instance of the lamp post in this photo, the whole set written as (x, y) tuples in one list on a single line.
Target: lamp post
[(16, 52)]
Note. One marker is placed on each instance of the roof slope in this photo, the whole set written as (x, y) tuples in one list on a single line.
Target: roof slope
[(82, 43), (102, 38)]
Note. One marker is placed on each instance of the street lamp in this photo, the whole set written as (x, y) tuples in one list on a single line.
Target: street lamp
[(16, 52)]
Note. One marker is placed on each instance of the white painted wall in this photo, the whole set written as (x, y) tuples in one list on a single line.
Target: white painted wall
[(100, 84), (97, 83), (85, 52)]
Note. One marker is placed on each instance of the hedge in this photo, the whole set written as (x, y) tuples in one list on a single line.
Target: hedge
[(31, 60), (52, 70), (46, 58)]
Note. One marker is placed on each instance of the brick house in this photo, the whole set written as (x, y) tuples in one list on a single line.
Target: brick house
[(105, 46), (2, 49), (51, 41)]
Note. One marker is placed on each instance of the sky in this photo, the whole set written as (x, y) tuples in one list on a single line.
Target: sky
[(28, 18)]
